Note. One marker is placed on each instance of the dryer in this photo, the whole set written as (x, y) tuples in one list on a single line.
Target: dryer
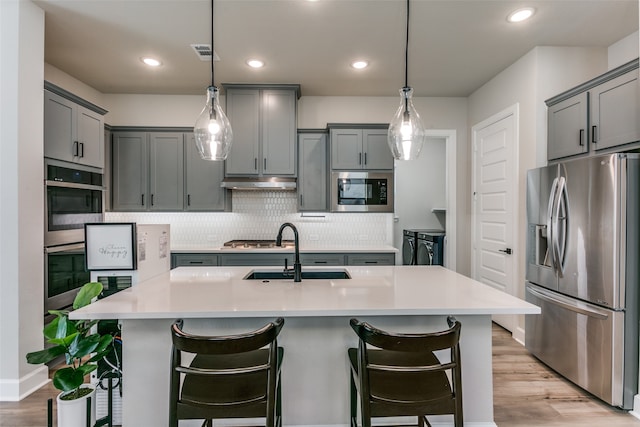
[(430, 247), (410, 243)]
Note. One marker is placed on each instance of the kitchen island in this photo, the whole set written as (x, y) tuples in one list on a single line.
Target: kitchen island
[(316, 334)]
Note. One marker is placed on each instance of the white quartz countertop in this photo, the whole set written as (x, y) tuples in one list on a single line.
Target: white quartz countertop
[(303, 249), (221, 292)]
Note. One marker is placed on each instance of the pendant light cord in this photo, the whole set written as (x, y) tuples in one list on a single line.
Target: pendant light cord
[(212, 50), (406, 52)]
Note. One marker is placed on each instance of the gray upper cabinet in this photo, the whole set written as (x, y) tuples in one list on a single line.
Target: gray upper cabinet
[(147, 171), (72, 132), (615, 111), (263, 119), (129, 171), (166, 173), (202, 180), (162, 171), (601, 114), (567, 127), (355, 148), (312, 172)]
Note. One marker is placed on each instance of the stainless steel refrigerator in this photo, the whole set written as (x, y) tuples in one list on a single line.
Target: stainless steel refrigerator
[(582, 269)]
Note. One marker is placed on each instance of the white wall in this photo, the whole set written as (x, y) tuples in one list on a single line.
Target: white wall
[(21, 202), (539, 75), (624, 50)]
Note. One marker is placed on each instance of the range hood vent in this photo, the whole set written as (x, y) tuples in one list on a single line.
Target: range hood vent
[(270, 183)]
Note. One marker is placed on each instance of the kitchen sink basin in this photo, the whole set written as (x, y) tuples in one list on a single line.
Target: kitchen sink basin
[(306, 274)]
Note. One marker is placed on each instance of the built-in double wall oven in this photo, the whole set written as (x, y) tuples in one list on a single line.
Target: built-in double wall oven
[(74, 195)]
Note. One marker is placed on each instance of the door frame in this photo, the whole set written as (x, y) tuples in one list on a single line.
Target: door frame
[(449, 135), (514, 111)]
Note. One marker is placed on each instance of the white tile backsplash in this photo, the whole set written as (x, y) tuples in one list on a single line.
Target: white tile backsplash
[(259, 214)]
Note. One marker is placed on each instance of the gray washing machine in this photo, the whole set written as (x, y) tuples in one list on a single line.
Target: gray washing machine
[(410, 243), (430, 247)]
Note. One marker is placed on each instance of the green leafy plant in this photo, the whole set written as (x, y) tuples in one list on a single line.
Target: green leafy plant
[(74, 339)]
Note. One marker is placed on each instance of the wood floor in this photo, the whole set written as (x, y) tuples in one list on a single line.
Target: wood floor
[(526, 394)]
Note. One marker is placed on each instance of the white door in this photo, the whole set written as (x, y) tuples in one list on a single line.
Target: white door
[(494, 192)]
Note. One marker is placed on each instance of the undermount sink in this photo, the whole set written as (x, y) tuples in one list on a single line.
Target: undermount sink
[(308, 274)]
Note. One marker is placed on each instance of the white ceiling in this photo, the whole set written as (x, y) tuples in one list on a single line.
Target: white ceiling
[(455, 45)]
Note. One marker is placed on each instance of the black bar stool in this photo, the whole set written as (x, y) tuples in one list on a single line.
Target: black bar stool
[(399, 374), (234, 376)]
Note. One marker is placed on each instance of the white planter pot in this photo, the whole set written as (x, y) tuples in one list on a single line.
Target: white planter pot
[(73, 413)]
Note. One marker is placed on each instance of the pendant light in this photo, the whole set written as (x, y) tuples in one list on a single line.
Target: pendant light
[(212, 130), (406, 131)]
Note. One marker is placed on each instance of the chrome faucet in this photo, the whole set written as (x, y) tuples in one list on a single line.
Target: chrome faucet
[(297, 267)]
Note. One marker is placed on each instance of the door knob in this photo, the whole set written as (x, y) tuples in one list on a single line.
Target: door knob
[(506, 251)]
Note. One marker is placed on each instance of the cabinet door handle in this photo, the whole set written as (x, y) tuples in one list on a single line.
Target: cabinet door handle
[(365, 158), (81, 149), (320, 262), (188, 199), (359, 158), (594, 131), (255, 163), (265, 164), (142, 201), (75, 149), (301, 201), (151, 199), (581, 138)]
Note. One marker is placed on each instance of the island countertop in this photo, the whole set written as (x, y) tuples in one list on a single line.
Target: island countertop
[(221, 292)]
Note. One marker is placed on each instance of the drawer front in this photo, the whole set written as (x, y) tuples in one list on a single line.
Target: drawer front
[(194, 260), (371, 259)]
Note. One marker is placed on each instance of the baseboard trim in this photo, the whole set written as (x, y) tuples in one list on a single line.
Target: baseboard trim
[(518, 335), (16, 390), (636, 406)]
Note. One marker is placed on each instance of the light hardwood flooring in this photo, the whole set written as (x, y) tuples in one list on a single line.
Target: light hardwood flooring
[(526, 394)]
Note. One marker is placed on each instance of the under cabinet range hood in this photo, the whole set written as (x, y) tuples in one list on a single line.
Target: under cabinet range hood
[(269, 183)]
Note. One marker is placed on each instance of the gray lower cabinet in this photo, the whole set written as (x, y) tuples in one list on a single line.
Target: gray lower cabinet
[(307, 259), (72, 132), (245, 259), (354, 148), (263, 119), (202, 181), (601, 114), (147, 171), (312, 172), (370, 259), (193, 260)]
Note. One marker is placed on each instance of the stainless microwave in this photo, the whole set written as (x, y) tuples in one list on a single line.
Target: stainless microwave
[(361, 191)]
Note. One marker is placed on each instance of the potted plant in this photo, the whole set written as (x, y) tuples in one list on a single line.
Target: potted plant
[(82, 347)]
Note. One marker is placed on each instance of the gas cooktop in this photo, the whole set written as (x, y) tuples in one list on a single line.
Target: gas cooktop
[(256, 244)]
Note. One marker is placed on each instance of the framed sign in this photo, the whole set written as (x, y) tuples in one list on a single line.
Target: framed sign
[(110, 246)]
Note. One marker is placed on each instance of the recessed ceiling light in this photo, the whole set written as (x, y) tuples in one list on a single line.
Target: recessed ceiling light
[(359, 64), (255, 63), (152, 62), (521, 14)]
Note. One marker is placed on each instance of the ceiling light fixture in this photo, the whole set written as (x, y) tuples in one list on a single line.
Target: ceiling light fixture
[(406, 132), (358, 65), (255, 63), (521, 14), (212, 130), (152, 62)]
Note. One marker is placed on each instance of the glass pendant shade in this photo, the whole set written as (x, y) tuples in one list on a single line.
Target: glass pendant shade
[(212, 129), (406, 131)]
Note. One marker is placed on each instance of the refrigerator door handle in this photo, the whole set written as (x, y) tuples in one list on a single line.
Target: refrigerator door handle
[(550, 229), (598, 314), (560, 226)]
